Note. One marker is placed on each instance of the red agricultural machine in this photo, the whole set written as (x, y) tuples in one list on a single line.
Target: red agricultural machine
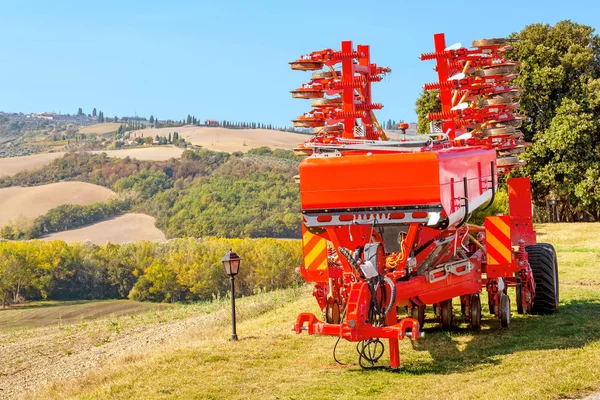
[(386, 222)]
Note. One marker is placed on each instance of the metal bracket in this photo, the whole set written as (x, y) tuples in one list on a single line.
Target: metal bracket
[(457, 268), (370, 217), (493, 188), (466, 205), (328, 154)]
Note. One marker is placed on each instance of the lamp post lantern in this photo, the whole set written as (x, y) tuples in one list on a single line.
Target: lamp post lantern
[(231, 263)]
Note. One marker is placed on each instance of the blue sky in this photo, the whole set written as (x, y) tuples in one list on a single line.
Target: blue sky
[(228, 59)]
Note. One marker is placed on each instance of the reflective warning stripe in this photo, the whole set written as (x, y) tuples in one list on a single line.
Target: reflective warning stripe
[(498, 243), (314, 250)]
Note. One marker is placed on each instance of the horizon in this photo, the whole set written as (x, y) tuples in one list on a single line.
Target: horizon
[(226, 61)]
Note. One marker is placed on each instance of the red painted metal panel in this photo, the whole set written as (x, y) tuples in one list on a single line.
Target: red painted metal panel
[(369, 181), (457, 164), (354, 181), (519, 204), (431, 293)]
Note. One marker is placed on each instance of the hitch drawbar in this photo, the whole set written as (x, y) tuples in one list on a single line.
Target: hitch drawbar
[(309, 323)]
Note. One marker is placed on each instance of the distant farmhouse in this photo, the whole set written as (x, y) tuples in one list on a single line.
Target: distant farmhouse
[(52, 116)]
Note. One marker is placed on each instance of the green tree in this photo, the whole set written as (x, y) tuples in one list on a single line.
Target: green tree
[(152, 119), (146, 184), (428, 102), (79, 111), (560, 78), (94, 112)]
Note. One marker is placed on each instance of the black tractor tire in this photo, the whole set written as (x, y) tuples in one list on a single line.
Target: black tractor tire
[(332, 311), (475, 312), (542, 258), (490, 304), (519, 291), (504, 310), (446, 314), (418, 313)]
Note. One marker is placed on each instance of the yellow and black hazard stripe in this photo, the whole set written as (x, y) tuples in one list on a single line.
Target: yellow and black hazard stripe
[(314, 250), (498, 243)]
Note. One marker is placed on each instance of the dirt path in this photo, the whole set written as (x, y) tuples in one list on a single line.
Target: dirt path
[(41, 314), (35, 357)]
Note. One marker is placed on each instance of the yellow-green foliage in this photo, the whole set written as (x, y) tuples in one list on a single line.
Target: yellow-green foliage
[(182, 269)]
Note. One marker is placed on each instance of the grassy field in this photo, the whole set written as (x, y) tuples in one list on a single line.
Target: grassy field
[(553, 356), (50, 143)]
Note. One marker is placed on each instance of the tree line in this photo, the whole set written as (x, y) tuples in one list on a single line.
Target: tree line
[(178, 270), (136, 123)]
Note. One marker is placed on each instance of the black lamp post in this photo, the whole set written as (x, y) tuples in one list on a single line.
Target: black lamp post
[(553, 208), (231, 263)]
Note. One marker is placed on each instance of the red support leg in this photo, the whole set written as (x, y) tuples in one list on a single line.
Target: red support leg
[(392, 319)]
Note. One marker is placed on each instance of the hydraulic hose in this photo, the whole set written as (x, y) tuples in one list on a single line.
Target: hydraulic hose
[(392, 286)]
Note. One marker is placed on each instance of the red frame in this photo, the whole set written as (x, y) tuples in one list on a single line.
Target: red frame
[(360, 179)]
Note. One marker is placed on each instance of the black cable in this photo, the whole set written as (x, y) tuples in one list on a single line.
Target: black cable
[(339, 337), (370, 352), (335, 347)]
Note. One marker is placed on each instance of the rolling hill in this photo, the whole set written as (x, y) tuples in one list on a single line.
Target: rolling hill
[(122, 229), (100, 128), (154, 153), (31, 202), (231, 140), (13, 165)]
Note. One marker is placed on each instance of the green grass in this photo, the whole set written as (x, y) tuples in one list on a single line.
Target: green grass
[(538, 357), (47, 143)]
